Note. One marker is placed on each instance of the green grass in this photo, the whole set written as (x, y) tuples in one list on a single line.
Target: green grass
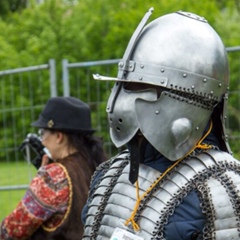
[(13, 174)]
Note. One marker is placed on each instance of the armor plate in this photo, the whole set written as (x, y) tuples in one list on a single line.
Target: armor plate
[(212, 174)]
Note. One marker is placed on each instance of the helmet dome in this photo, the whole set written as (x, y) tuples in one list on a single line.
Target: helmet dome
[(181, 54)]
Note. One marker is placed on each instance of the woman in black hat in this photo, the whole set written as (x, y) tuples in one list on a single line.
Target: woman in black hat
[(51, 207)]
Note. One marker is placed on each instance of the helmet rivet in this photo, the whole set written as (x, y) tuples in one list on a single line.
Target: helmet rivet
[(211, 92), (162, 82), (204, 80), (130, 66), (184, 75), (197, 128), (142, 66), (157, 112), (193, 87), (162, 70), (140, 78), (120, 64), (219, 84)]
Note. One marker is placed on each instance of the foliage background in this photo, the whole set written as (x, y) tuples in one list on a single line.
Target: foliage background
[(32, 32), (87, 30)]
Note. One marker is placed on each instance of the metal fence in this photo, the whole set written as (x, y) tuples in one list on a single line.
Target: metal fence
[(19, 106), (19, 88)]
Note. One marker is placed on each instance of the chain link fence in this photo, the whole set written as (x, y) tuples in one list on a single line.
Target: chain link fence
[(25, 91)]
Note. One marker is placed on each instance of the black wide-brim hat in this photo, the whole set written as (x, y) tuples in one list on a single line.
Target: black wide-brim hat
[(67, 114)]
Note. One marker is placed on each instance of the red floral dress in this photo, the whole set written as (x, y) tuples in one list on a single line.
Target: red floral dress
[(46, 203)]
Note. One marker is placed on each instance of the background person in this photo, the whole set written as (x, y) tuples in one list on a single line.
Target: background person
[(51, 207), (176, 180)]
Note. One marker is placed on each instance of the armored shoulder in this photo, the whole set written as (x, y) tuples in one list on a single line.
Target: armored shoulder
[(104, 167), (218, 182)]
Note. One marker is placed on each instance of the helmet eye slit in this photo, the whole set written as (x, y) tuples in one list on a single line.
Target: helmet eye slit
[(142, 87)]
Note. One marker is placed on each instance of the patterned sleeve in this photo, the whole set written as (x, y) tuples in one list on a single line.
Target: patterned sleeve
[(48, 194)]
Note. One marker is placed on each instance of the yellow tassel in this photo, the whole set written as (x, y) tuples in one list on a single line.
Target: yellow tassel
[(139, 199)]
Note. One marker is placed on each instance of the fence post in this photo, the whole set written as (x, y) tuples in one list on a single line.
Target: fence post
[(65, 78), (53, 82)]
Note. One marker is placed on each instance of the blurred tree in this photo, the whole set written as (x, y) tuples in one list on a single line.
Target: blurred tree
[(94, 30), (9, 6)]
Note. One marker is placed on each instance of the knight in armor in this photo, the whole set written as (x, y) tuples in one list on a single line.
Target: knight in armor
[(52, 205), (177, 178)]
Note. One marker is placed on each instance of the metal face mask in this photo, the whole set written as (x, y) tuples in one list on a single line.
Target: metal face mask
[(121, 110), (166, 122)]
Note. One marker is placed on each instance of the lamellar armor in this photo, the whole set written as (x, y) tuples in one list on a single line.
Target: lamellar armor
[(213, 174)]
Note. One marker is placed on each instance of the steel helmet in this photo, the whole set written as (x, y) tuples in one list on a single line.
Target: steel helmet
[(182, 63)]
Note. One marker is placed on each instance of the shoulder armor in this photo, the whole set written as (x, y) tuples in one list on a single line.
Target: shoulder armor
[(215, 175)]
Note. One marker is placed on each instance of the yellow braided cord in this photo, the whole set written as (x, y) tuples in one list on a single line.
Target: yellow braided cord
[(139, 199), (204, 145)]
